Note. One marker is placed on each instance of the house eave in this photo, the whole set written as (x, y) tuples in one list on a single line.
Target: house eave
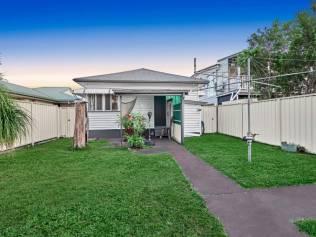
[(195, 81)]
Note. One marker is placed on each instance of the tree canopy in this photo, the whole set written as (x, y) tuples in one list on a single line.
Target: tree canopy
[(282, 48)]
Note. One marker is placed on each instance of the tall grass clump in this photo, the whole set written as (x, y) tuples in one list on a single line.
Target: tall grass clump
[(13, 120)]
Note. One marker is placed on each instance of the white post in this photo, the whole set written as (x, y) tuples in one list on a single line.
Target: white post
[(121, 128), (249, 135), (58, 120), (32, 125)]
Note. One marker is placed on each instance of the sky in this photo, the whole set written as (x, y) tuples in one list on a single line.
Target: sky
[(48, 43)]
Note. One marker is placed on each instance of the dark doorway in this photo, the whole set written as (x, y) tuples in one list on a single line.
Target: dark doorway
[(160, 111)]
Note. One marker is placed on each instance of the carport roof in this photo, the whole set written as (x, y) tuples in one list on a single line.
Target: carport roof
[(141, 75)]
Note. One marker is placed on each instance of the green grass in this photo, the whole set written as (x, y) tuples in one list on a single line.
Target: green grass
[(307, 226), (51, 190), (270, 165)]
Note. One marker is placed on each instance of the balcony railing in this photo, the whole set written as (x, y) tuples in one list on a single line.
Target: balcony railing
[(233, 84)]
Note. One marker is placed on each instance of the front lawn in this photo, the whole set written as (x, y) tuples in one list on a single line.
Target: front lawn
[(51, 190), (307, 226), (270, 165)]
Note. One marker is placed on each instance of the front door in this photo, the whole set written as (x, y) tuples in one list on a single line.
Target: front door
[(160, 111)]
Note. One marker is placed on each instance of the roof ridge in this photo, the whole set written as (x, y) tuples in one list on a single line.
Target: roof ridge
[(141, 75), (137, 69), (112, 73), (167, 73)]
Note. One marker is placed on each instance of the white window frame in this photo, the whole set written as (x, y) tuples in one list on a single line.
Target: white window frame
[(104, 100), (118, 103), (96, 104), (103, 103)]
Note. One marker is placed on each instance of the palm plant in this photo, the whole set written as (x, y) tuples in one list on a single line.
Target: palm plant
[(13, 120)]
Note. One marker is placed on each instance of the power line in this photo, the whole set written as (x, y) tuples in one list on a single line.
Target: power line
[(260, 67), (221, 76), (257, 79), (287, 59), (284, 75), (266, 84)]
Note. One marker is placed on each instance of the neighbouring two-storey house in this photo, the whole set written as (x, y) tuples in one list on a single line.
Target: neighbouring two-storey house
[(226, 82)]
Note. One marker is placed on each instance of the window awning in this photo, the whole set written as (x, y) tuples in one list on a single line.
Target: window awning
[(130, 91), (93, 91), (150, 91)]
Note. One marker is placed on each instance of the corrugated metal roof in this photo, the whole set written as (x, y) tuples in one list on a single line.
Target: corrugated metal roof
[(21, 90), (140, 76), (56, 94)]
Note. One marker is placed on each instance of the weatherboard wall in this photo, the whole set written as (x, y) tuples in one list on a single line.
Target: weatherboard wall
[(107, 120), (192, 120)]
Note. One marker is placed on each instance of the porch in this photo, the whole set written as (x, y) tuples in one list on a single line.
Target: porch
[(163, 112)]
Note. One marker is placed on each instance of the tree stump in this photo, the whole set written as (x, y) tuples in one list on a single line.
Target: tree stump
[(80, 137)]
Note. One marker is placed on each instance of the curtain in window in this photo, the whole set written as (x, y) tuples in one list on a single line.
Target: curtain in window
[(114, 102), (91, 100)]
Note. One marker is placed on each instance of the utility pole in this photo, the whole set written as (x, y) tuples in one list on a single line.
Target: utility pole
[(249, 136)]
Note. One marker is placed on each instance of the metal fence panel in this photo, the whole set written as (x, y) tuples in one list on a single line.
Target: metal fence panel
[(209, 117), (230, 120), (290, 119), (47, 121)]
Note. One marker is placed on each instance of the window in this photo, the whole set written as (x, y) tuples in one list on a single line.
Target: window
[(107, 102), (98, 99), (114, 102), (100, 102), (91, 100)]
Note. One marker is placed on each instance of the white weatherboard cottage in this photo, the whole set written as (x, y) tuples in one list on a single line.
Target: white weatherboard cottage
[(173, 101)]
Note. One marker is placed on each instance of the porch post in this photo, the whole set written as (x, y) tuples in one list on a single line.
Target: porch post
[(121, 131), (182, 118)]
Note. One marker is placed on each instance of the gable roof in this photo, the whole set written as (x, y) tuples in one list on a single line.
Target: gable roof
[(215, 65), (206, 69), (230, 56), (141, 75), (39, 93)]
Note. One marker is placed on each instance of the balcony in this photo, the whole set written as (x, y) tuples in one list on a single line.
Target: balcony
[(233, 85)]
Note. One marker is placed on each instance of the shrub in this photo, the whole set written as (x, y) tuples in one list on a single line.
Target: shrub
[(134, 127), (135, 141)]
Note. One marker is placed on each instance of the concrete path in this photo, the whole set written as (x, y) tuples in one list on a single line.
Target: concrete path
[(256, 212)]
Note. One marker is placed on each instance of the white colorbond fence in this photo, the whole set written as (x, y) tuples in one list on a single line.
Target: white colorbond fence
[(209, 117), (48, 121), (290, 119)]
